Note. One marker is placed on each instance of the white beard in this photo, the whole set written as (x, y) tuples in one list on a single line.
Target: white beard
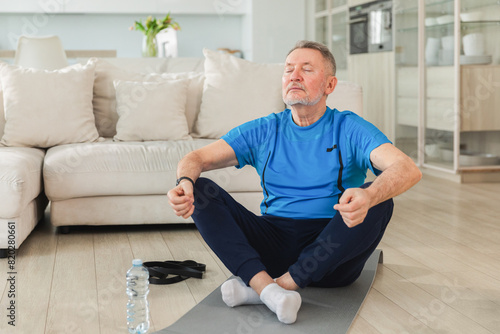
[(306, 101)]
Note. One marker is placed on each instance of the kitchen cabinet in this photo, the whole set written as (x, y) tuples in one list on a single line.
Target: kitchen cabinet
[(331, 24), (480, 98), (447, 83)]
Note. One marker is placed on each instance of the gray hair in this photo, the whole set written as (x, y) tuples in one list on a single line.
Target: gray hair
[(322, 48)]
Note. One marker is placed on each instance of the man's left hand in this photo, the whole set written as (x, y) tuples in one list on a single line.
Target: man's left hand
[(353, 206)]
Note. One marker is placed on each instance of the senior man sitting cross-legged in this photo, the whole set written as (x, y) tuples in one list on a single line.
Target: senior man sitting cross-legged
[(320, 222)]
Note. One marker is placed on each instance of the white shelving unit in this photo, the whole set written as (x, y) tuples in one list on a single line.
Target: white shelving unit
[(447, 111)]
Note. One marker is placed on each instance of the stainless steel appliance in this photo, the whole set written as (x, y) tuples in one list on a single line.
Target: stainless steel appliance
[(370, 27)]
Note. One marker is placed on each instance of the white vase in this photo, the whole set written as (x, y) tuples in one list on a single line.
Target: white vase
[(167, 43)]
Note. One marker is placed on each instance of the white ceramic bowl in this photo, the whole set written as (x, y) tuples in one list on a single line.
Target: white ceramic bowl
[(432, 150), (470, 60), (430, 21), (471, 16), (337, 38), (447, 154), (478, 159), (445, 19)]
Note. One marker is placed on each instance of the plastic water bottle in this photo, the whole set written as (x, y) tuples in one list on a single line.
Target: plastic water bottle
[(137, 291)]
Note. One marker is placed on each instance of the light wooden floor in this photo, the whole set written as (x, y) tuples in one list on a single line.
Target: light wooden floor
[(441, 271)]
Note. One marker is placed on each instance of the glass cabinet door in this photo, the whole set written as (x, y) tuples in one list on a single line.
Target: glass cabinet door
[(331, 25), (407, 74), (480, 91), (439, 110), (446, 73), (322, 29), (321, 5), (339, 43), (338, 3)]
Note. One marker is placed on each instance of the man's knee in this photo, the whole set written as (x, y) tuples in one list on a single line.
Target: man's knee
[(388, 207), (202, 182), (204, 187), (205, 191), (366, 185)]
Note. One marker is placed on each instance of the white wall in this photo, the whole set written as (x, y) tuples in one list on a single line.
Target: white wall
[(264, 30), (111, 31), (275, 26)]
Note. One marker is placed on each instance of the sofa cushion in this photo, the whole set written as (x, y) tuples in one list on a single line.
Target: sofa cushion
[(236, 91), (154, 64), (20, 178), (104, 100), (48, 108), (185, 64), (128, 168), (129, 210), (151, 110)]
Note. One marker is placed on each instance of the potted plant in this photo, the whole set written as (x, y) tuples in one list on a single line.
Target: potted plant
[(150, 29)]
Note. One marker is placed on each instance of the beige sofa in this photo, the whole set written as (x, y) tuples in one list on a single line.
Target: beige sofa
[(144, 124)]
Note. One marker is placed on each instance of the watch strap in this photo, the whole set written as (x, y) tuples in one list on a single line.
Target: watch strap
[(184, 178)]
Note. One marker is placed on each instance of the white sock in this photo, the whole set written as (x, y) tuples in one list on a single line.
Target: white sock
[(285, 303), (235, 293)]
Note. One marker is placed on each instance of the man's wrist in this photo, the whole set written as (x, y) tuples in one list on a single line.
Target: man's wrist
[(184, 178), (373, 195)]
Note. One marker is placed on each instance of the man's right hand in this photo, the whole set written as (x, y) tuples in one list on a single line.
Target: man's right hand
[(181, 199), (213, 156)]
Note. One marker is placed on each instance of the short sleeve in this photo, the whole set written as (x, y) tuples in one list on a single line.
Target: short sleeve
[(363, 137), (248, 139)]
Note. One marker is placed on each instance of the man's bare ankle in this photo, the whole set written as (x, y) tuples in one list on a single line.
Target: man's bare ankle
[(260, 281), (286, 282)]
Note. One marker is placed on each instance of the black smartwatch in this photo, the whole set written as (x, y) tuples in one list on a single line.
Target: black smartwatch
[(184, 178)]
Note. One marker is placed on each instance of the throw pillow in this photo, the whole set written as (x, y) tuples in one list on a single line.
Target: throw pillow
[(236, 91), (105, 97), (194, 94), (151, 110), (48, 108)]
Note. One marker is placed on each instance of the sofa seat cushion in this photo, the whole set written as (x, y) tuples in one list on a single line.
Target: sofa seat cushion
[(128, 168), (20, 178)]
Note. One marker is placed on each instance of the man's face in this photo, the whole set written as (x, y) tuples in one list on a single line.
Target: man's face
[(305, 78)]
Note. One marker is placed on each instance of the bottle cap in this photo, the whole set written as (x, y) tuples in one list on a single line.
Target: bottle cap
[(137, 262)]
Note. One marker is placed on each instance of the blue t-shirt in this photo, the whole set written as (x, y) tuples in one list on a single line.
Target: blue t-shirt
[(300, 167)]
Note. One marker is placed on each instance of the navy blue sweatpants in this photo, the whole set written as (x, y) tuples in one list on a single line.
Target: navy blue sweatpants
[(316, 252)]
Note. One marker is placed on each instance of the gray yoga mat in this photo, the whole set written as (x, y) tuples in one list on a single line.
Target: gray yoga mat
[(323, 311)]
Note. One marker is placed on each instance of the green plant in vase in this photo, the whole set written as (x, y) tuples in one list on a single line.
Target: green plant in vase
[(150, 29)]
